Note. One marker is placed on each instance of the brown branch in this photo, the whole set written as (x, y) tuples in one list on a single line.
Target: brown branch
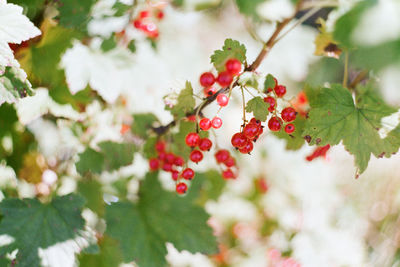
[(261, 56), (360, 76)]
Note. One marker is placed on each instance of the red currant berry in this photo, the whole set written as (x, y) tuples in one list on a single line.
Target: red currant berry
[(230, 162), (154, 164), (275, 124), (269, 89), (191, 118), (222, 100), (222, 155), (224, 79), (192, 139), (178, 161), (167, 167), (137, 24), (228, 174), (233, 66), (271, 101), (170, 158), (216, 122), (247, 148), (144, 14), (181, 188), (280, 90), (174, 175), (196, 156), (187, 174), (160, 15), (289, 128), (160, 146), (162, 155), (207, 79), (238, 140), (209, 91), (253, 120), (288, 114), (205, 124), (205, 144), (251, 131)]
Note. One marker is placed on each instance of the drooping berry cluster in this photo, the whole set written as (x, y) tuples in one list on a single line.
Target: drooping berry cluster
[(194, 141), (243, 140), (227, 162), (146, 21)]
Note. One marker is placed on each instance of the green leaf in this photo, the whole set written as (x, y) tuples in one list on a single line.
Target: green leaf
[(142, 123), (120, 9), (10, 80), (186, 101), (34, 225), (269, 83), (148, 148), (231, 49), (249, 8), (334, 117), (75, 13), (206, 186), (32, 8), (109, 44), (142, 229), (116, 155), (178, 146), (90, 161), (132, 46), (109, 256), (295, 140), (258, 107), (91, 190)]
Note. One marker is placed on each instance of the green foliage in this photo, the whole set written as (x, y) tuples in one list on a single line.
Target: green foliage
[(141, 123), (109, 256), (109, 44), (258, 107), (249, 8), (334, 117), (111, 156), (295, 140), (186, 102), (32, 8), (148, 147), (75, 13), (120, 9), (231, 49), (142, 229), (179, 146), (206, 186), (269, 83), (34, 225), (91, 190), (18, 87)]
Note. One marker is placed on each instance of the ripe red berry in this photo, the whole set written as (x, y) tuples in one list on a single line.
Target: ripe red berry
[(196, 156), (216, 122), (251, 130), (222, 100), (253, 120), (209, 91), (230, 162), (207, 79), (275, 124), (174, 175), (181, 188), (178, 161), (187, 174), (289, 128), (224, 79), (167, 167), (271, 101), (160, 15), (191, 118), (233, 66), (280, 90), (160, 146), (170, 158), (247, 148), (288, 114), (154, 164), (238, 140), (222, 155), (144, 14), (137, 23), (205, 144), (162, 155), (205, 124), (228, 174), (192, 139)]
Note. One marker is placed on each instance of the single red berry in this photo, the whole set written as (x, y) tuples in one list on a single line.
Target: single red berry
[(178, 161), (160, 15), (289, 128), (196, 156), (144, 14), (209, 91), (162, 155), (205, 124), (192, 139), (222, 155), (271, 101), (191, 118), (254, 120), (275, 124), (167, 167), (205, 144), (230, 162), (224, 79), (216, 122), (137, 24), (251, 130), (187, 174), (170, 158), (207, 79), (160, 146), (228, 174), (247, 148), (222, 100), (233, 66), (174, 175), (238, 140), (181, 188), (154, 164), (280, 90), (288, 114)]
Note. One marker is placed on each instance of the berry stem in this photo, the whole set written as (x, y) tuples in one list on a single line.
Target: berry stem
[(346, 69), (244, 105)]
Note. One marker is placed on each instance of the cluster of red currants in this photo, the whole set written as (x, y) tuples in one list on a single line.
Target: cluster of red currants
[(287, 115), (146, 22), (169, 162), (224, 158), (193, 140), (243, 141)]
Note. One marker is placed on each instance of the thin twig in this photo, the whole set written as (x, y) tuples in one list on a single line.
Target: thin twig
[(346, 69)]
